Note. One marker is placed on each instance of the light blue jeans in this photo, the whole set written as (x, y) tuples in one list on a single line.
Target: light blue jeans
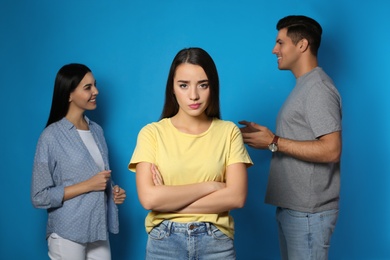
[(194, 240), (304, 236)]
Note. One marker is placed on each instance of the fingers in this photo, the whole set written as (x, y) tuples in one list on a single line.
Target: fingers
[(156, 179), (156, 176), (248, 124), (257, 126), (250, 127), (106, 174), (244, 122), (99, 181), (119, 194)]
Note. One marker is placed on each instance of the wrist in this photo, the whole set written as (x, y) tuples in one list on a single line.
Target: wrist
[(273, 146)]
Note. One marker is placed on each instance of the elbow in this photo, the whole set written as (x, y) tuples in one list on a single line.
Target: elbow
[(336, 159), (240, 205), (149, 202), (38, 203), (335, 156), (332, 147), (239, 202), (146, 204), (35, 203), (331, 158)]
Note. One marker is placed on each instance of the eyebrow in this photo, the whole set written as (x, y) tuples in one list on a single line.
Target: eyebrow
[(187, 81), (90, 84)]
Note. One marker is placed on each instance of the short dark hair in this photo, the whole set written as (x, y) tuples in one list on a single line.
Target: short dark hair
[(195, 56), (67, 79), (302, 27)]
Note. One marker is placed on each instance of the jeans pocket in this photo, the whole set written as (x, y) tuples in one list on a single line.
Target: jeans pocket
[(218, 234), (52, 239), (328, 223), (296, 214), (54, 236), (157, 233)]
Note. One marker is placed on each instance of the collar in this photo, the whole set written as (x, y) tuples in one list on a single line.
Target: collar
[(66, 123)]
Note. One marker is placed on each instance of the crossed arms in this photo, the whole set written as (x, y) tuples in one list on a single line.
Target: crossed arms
[(197, 198)]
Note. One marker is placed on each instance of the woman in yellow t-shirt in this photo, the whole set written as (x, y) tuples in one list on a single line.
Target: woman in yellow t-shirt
[(191, 166)]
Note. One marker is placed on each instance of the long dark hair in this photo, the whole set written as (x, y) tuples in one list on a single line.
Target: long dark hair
[(195, 56), (67, 79)]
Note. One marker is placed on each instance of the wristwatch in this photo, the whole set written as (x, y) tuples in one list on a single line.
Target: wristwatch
[(273, 146)]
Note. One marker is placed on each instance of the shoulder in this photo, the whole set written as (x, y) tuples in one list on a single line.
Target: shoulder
[(224, 125), (318, 77), (317, 82), (157, 126), (52, 131), (93, 125), (152, 129)]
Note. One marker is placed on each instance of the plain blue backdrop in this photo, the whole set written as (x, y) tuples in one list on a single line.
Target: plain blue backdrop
[(129, 46)]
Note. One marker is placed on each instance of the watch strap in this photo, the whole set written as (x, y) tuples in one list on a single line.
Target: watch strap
[(275, 140)]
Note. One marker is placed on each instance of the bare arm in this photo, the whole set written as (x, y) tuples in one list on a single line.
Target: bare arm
[(166, 198), (231, 197), (325, 149), (96, 183)]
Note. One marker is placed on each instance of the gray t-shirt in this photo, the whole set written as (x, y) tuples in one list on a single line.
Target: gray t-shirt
[(312, 109)]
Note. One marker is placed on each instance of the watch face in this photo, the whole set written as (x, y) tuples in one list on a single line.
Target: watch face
[(273, 147)]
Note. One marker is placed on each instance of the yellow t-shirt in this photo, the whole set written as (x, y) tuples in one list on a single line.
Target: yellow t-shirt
[(185, 159)]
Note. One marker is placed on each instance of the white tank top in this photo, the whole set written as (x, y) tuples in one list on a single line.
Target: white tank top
[(93, 149)]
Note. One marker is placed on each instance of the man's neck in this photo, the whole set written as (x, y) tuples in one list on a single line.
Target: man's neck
[(305, 66)]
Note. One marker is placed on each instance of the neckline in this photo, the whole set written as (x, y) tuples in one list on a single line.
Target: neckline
[(188, 134), (83, 131)]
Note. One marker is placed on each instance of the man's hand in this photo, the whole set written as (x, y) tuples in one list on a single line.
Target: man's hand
[(255, 135)]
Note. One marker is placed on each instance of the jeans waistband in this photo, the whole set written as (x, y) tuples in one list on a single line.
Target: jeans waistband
[(190, 228)]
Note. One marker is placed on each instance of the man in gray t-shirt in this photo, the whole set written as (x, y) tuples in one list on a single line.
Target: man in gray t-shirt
[(304, 180)]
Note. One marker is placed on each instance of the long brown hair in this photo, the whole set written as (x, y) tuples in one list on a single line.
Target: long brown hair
[(195, 56)]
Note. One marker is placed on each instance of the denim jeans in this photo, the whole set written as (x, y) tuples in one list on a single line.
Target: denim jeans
[(194, 240), (305, 235)]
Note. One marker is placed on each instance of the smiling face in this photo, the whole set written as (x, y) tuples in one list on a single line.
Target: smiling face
[(191, 89), (84, 95), (287, 52)]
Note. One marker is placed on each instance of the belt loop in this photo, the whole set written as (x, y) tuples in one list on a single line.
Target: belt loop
[(208, 228), (169, 228)]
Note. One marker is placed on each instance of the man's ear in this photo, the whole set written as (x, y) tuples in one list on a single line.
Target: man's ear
[(303, 45)]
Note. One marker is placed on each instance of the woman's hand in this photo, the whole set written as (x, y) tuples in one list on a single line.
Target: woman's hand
[(119, 194), (156, 175), (156, 195), (98, 182)]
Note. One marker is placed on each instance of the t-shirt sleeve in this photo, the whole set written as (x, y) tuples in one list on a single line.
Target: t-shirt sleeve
[(238, 152), (323, 109), (145, 150)]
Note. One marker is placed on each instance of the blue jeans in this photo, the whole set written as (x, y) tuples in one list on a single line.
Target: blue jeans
[(305, 235), (194, 240)]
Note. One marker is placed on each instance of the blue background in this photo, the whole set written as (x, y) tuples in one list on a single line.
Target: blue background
[(129, 46)]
